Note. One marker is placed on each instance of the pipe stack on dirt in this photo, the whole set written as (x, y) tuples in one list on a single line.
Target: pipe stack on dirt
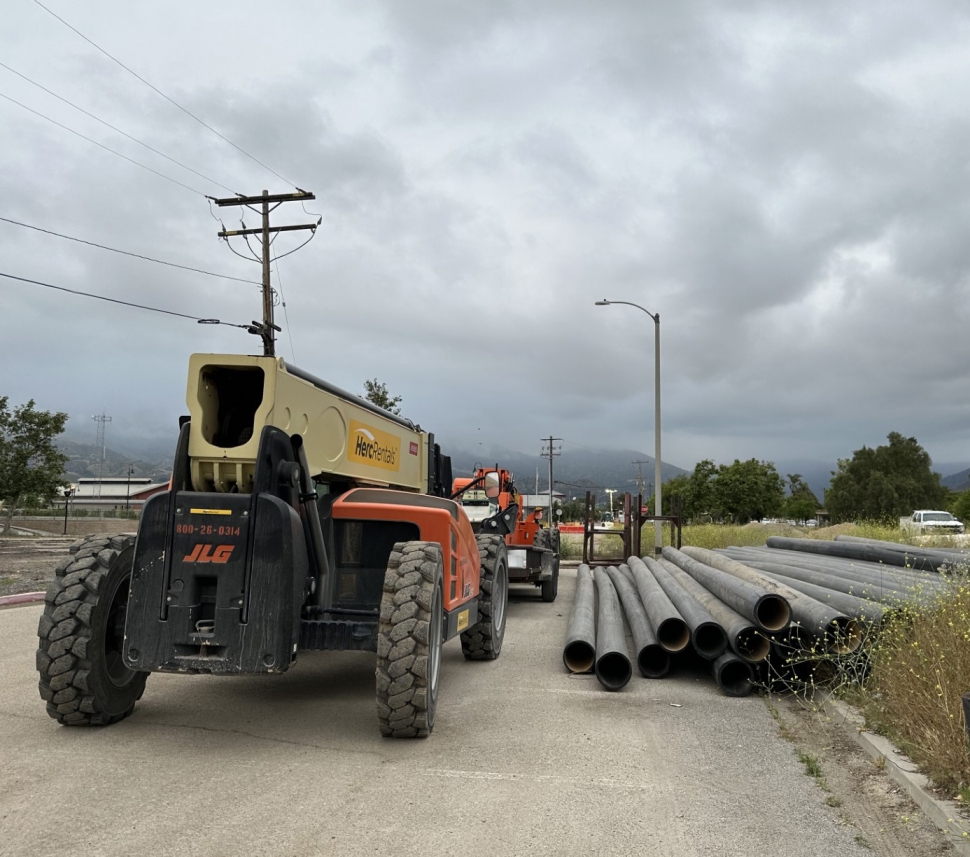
[(653, 660), (579, 653), (672, 631), (612, 666), (839, 633), (707, 636)]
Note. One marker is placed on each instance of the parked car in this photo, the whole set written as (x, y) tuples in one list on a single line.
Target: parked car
[(930, 521)]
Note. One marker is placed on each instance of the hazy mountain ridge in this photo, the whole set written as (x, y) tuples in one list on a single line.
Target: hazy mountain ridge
[(84, 462)]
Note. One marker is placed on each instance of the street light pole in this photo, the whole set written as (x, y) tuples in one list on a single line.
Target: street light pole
[(131, 469), (658, 525), (67, 502)]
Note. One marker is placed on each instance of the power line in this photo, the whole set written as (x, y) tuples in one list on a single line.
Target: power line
[(289, 330), (124, 303), (126, 253), (167, 98), (102, 145), (113, 128)]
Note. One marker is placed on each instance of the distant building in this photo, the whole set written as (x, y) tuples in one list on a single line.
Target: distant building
[(114, 492)]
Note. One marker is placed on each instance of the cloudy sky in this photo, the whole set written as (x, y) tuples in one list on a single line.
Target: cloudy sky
[(786, 184)]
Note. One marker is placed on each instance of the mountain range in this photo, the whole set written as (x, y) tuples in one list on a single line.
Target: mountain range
[(574, 470)]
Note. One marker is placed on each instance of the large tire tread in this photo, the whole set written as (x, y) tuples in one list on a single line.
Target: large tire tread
[(406, 686), (483, 641), (70, 645)]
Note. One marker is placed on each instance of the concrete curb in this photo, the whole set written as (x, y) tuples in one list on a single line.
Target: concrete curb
[(21, 599), (946, 814)]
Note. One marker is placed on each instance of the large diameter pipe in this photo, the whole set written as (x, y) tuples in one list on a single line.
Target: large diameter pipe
[(579, 652), (851, 605), (747, 641), (839, 633), (848, 550), (733, 675), (653, 660), (708, 638), (672, 631), (612, 665), (767, 610), (875, 592)]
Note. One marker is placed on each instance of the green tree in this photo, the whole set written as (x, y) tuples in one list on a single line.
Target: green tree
[(678, 487), (376, 392), (700, 493), (748, 489), (30, 464), (801, 503), (885, 483), (961, 506)]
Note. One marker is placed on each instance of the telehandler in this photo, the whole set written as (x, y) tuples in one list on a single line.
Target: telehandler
[(299, 517), (533, 551)]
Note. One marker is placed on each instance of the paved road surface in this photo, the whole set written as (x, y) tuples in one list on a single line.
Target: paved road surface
[(524, 760)]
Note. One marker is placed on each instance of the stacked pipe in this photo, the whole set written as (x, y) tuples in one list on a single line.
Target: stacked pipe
[(796, 610), (668, 616)]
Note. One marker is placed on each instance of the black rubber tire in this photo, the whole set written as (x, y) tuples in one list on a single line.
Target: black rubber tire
[(409, 640), (83, 678), (483, 641), (549, 538)]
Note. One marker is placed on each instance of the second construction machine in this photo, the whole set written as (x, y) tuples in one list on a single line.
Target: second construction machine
[(533, 550), (299, 517)]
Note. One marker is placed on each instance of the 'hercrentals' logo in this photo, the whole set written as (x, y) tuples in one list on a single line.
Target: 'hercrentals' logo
[(371, 446)]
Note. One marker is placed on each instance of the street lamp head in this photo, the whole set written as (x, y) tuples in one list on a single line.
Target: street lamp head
[(603, 302)]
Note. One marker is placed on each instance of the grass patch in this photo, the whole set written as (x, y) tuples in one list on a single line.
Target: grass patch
[(813, 767), (920, 668)]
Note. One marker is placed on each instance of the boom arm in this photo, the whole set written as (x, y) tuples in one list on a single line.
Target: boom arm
[(231, 397)]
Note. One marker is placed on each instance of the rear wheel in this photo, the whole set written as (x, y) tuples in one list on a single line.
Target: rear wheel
[(483, 642), (410, 636), (550, 540), (83, 677)]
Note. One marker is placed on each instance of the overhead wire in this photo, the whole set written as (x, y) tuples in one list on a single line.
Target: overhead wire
[(101, 145), (114, 128), (166, 97), (124, 303), (126, 253)]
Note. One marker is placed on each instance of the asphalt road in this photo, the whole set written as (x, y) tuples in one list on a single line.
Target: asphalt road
[(524, 759)]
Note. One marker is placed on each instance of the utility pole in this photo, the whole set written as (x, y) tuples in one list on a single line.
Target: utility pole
[(131, 469), (638, 463), (101, 419), (551, 452), (267, 202)]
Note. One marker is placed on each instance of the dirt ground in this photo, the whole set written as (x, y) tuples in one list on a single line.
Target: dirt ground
[(27, 562), (858, 792)]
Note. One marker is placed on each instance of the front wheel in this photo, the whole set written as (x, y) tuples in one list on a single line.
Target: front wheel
[(483, 641), (83, 678), (409, 640)]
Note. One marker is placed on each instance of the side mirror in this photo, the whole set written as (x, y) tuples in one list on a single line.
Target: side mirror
[(492, 485)]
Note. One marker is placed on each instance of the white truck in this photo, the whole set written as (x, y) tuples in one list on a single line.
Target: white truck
[(930, 522)]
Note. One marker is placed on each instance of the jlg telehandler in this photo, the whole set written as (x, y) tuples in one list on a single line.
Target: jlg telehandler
[(533, 551), (299, 517)]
